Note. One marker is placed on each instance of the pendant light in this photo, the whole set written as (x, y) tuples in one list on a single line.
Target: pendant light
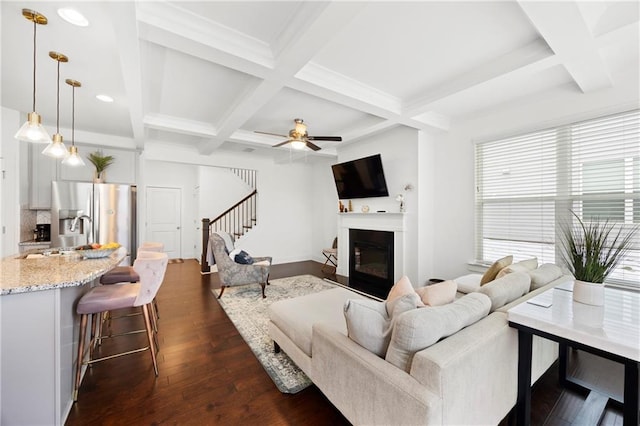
[(32, 130), (73, 159), (56, 148)]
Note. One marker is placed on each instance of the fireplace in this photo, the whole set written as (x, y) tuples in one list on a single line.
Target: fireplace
[(371, 260)]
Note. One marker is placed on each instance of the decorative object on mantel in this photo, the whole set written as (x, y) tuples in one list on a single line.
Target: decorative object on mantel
[(350, 206), (340, 206), (73, 159), (400, 199), (32, 130), (56, 148), (101, 162), (591, 251), (365, 209)]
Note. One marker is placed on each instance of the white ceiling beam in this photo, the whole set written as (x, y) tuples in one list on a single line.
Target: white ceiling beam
[(563, 27), (179, 125), (123, 16)]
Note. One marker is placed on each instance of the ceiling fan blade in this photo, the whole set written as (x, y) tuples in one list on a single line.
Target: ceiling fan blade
[(325, 138), (313, 146), (281, 143), (268, 133)]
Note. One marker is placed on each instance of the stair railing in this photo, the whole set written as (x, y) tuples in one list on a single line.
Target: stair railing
[(237, 220)]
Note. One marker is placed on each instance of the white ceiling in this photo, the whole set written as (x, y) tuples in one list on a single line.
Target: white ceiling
[(207, 74)]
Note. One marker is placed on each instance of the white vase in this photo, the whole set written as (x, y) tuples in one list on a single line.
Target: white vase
[(588, 293)]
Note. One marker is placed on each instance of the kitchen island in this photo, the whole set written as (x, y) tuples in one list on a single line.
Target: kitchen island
[(39, 331)]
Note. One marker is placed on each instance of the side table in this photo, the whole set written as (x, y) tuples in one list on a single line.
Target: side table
[(611, 331)]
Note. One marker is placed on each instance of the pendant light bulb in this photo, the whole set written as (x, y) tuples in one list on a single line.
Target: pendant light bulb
[(32, 130), (73, 159), (298, 144), (56, 148)]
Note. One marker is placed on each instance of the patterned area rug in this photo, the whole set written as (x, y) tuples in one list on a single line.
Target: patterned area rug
[(247, 310)]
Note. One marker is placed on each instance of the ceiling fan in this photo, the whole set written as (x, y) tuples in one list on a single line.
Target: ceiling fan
[(299, 138)]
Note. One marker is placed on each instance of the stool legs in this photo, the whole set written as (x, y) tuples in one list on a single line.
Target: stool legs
[(150, 336), (83, 331)]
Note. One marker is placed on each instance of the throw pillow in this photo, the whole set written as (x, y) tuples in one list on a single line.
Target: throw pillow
[(369, 324), (243, 258), (232, 254), (493, 270), (544, 275), (522, 266), (438, 294), (418, 329), (402, 287), (506, 289), (468, 283)]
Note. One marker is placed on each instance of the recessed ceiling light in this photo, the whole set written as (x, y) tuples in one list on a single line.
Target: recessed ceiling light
[(72, 16), (104, 98)]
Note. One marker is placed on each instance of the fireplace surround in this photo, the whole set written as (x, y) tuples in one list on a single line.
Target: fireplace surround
[(394, 226)]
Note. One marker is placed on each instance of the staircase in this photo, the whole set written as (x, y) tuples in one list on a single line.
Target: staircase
[(237, 220)]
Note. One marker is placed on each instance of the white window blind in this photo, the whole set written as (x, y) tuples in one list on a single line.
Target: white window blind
[(528, 184)]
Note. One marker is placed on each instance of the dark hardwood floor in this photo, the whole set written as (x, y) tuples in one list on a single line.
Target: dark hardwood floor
[(208, 374)]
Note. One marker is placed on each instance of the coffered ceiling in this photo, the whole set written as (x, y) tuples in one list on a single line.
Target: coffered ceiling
[(207, 74)]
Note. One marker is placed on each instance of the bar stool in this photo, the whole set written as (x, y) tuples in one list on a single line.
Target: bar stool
[(151, 268), (121, 274)]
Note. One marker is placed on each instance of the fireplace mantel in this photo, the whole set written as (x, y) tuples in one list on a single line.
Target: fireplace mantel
[(393, 222)]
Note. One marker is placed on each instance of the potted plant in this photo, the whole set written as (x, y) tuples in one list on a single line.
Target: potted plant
[(100, 162), (592, 251)]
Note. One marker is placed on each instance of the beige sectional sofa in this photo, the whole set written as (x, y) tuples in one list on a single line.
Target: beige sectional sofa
[(469, 377)]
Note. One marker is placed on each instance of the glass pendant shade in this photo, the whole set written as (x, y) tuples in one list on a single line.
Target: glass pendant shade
[(56, 148), (298, 144), (33, 130), (73, 159)]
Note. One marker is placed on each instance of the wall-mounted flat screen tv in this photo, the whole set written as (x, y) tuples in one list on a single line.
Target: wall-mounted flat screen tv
[(362, 178)]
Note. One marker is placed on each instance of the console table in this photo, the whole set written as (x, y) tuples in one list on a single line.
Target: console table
[(611, 331)]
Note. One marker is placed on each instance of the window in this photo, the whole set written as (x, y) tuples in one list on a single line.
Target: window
[(528, 184)]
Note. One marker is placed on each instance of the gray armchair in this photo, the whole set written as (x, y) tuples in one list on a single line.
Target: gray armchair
[(234, 274)]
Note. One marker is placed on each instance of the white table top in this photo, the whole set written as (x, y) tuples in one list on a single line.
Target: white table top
[(614, 327)]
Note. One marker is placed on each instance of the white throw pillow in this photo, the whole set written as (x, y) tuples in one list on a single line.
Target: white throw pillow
[(232, 253), (468, 283), (522, 266)]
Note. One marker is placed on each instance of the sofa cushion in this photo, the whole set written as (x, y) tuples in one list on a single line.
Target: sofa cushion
[(296, 316), (438, 294), (522, 266), (369, 322), (506, 289), (420, 328), (468, 283), (493, 270), (544, 275)]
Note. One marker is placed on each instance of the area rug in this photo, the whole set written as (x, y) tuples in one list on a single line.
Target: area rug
[(247, 310)]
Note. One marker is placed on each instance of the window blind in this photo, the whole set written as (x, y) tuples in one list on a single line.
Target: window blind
[(527, 186)]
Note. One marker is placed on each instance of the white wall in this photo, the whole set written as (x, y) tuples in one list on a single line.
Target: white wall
[(398, 148), (454, 158), (285, 200)]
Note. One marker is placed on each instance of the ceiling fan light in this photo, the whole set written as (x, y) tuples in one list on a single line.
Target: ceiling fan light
[(298, 145), (300, 128), (73, 159), (56, 148), (33, 130)]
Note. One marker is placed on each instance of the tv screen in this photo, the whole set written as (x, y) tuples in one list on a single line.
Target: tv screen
[(362, 178)]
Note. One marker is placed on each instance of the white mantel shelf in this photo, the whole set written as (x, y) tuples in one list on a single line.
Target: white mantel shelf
[(383, 221)]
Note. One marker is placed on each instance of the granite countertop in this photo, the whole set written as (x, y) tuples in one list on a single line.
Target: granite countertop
[(19, 275), (33, 243)]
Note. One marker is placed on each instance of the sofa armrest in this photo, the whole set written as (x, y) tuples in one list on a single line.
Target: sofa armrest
[(474, 371), (366, 388)]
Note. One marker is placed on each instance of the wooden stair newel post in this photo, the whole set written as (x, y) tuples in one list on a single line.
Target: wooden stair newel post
[(204, 265)]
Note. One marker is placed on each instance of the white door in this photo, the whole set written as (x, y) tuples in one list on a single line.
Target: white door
[(163, 219)]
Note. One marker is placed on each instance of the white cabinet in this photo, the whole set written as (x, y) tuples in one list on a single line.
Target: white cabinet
[(123, 169), (43, 172)]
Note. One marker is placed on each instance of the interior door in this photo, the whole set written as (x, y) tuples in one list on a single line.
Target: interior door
[(164, 219)]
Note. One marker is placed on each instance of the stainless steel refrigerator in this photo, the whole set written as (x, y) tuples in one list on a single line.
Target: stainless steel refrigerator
[(85, 213)]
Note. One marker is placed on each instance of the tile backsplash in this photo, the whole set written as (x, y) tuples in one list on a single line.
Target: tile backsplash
[(29, 219)]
